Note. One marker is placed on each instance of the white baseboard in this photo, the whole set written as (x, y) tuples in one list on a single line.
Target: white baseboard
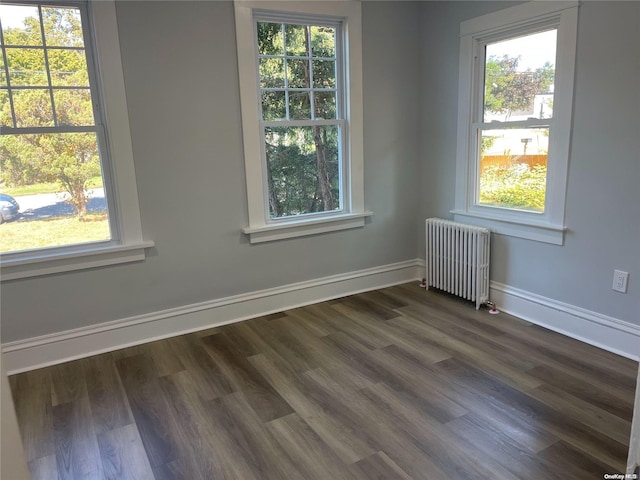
[(608, 333), (45, 350)]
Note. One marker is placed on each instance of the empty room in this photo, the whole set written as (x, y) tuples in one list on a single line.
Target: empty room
[(273, 240)]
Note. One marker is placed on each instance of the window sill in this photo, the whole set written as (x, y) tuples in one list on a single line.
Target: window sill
[(302, 227), (538, 231), (40, 264)]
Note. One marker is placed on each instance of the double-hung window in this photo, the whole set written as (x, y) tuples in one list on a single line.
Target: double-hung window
[(58, 159), (302, 117), (514, 119)]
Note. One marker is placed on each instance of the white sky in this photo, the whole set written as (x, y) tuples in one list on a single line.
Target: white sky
[(12, 15), (535, 50)]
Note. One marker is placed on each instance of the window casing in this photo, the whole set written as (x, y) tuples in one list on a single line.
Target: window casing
[(110, 125), (543, 127), (305, 100)]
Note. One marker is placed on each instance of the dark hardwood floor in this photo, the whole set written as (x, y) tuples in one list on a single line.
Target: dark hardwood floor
[(393, 384)]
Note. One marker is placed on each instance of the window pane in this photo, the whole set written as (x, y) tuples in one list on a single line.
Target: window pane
[(324, 74), (62, 27), (325, 104), (20, 25), (70, 206), (74, 107), (5, 110), (271, 73), (323, 41), (299, 106), (303, 170), (513, 168), (33, 108), (274, 105), (270, 39), (519, 77), (297, 39), (27, 67), (298, 73), (68, 68)]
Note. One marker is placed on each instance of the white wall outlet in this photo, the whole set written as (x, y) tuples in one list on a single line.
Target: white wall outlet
[(620, 279)]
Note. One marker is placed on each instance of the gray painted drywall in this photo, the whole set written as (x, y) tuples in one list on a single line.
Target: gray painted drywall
[(603, 194), (181, 79)]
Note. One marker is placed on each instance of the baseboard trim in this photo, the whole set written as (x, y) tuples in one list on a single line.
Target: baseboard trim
[(29, 354), (608, 333), (602, 331)]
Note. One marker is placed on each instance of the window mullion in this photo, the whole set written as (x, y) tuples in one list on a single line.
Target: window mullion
[(46, 66), (310, 67), (6, 75), (9, 90), (43, 130), (285, 61), (39, 47), (532, 123), (301, 123)]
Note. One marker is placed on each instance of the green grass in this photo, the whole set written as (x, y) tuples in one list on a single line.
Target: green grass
[(95, 182), (32, 189), (519, 186), (54, 232)]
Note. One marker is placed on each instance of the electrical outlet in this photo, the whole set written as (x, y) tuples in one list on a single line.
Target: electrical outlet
[(620, 279)]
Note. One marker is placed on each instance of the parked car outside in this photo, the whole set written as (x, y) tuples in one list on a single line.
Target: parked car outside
[(9, 208)]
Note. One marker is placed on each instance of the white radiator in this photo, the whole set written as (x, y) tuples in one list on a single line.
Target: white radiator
[(458, 259)]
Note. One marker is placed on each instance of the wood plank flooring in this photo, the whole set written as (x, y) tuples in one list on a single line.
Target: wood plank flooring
[(392, 384)]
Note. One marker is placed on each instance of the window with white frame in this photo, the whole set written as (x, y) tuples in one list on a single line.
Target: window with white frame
[(58, 159), (302, 117), (514, 119)]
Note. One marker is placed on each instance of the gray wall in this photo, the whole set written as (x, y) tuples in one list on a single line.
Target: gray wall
[(181, 79), (603, 194)]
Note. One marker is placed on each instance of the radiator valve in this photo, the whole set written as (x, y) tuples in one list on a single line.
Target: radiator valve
[(492, 308)]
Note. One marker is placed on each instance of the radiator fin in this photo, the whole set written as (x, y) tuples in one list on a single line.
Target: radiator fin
[(458, 259)]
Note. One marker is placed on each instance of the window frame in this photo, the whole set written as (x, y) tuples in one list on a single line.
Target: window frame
[(112, 123), (512, 22), (339, 121), (262, 227)]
